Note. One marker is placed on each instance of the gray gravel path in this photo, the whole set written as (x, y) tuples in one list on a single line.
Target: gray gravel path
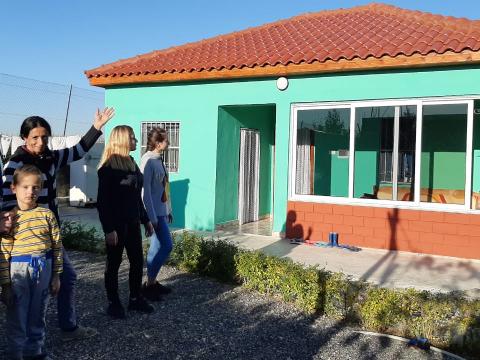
[(204, 319)]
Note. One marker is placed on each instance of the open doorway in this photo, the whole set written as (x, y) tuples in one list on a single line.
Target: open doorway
[(245, 167)]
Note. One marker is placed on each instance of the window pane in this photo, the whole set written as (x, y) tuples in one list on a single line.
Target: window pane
[(476, 157), (444, 133), (374, 152), (322, 152), (406, 153)]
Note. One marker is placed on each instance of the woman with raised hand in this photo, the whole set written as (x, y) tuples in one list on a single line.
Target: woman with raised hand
[(35, 131), (121, 210)]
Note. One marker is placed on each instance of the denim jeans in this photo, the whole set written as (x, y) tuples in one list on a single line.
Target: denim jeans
[(160, 247), (67, 315)]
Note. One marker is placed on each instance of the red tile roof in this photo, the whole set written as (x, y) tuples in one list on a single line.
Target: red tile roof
[(372, 31)]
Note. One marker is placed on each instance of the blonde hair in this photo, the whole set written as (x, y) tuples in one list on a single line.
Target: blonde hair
[(117, 149), (26, 170)]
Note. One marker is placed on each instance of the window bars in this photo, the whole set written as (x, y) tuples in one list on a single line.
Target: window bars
[(171, 155)]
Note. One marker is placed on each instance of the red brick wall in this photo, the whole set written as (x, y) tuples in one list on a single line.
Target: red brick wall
[(419, 231)]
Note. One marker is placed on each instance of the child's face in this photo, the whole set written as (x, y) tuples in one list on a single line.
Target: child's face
[(27, 191)]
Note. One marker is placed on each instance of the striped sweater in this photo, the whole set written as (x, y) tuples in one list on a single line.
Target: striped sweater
[(35, 232), (48, 163)]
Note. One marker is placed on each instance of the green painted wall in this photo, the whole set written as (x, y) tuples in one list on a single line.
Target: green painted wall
[(230, 120), (443, 152), (226, 193), (195, 106), (367, 150), (331, 171)]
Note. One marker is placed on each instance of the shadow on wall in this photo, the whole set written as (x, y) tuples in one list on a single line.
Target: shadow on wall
[(179, 192), (296, 231), (389, 257)]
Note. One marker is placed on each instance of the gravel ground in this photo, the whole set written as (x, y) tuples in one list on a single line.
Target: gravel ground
[(204, 319)]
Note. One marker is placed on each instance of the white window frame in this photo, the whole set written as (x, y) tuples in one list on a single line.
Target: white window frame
[(416, 203), (160, 122)]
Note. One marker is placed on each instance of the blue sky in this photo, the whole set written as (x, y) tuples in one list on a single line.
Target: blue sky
[(56, 41)]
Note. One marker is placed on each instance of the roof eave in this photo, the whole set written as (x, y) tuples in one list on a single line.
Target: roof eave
[(386, 62)]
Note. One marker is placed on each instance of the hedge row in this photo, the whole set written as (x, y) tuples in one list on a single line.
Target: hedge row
[(449, 321)]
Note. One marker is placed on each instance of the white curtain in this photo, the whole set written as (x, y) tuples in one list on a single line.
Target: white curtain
[(302, 176), (16, 142), (6, 141)]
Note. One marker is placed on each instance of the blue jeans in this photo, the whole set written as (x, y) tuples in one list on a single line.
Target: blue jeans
[(67, 315), (160, 247)]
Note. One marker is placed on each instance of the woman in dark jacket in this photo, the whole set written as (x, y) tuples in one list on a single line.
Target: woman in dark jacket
[(121, 210), (35, 130)]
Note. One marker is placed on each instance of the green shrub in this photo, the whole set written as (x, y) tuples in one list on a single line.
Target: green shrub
[(77, 236), (214, 258), (186, 251), (386, 310), (447, 320), (342, 296), (218, 260), (282, 277)]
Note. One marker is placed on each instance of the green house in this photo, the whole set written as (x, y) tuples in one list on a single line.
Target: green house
[(361, 121)]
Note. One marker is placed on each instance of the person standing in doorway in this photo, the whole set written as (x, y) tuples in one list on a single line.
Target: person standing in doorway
[(121, 210), (35, 130), (156, 197)]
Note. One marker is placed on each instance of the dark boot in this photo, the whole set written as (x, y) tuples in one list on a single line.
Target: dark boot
[(151, 293), (141, 305), (162, 289), (115, 309)]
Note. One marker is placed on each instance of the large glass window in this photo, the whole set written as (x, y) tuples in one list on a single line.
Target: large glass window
[(385, 152), (373, 151), (322, 153), (386, 165), (444, 139)]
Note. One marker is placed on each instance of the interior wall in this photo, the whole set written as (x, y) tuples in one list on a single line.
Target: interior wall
[(231, 120)]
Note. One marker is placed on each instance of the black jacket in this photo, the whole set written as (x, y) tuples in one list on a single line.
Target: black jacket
[(119, 198)]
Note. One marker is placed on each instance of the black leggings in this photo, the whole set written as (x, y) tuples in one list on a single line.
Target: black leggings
[(130, 238)]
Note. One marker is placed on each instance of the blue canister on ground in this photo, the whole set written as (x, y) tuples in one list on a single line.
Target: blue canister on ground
[(333, 239)]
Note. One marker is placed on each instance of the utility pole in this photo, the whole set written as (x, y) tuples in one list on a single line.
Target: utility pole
[(68, 108)]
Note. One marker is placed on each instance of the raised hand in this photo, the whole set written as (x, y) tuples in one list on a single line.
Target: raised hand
[(102, 117)]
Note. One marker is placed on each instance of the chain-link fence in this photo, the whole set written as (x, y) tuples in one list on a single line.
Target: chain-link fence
[(68, 109)]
